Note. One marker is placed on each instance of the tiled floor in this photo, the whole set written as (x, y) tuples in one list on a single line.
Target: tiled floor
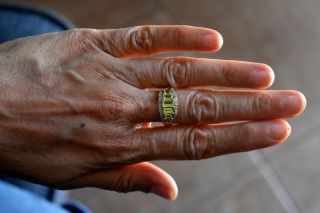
[(284, 34), (197, 181)]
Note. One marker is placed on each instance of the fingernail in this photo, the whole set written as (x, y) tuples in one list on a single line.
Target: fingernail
[(293, 104), (292, 100), (279, 131), (161, 191), (212, 41), (262, 77)]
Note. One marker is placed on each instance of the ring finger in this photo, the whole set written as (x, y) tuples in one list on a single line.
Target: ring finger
[(211, 106)]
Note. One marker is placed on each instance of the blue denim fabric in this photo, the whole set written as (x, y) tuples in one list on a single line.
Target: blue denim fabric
[(19, 196), (22, 21), (16, 200)]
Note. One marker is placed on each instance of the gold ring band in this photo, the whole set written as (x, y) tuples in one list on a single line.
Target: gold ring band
[(168, 105)]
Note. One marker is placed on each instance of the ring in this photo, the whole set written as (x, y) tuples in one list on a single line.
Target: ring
[(168, 105)]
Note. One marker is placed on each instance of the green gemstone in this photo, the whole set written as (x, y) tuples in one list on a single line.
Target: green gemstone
[(168, 105)]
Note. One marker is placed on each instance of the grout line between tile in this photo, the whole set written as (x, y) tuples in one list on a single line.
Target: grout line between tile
[(274, 182), (246, 176), (303, 135)]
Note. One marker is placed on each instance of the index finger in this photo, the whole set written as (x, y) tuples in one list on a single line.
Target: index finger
[(151, 39)]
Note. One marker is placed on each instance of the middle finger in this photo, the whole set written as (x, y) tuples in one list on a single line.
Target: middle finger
[(183, 72)]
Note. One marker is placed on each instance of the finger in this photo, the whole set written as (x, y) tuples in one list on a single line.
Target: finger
[(199, 142), (208, 106), (181, 72), (146, 40), (144, 177)]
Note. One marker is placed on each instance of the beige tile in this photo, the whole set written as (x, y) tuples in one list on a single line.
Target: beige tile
[(195, 179), (251, 196), (302, 129), (300, 173)]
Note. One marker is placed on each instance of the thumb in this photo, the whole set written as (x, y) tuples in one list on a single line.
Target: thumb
[(144, 177)]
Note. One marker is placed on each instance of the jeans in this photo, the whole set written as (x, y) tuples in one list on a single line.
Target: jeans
[(14, 199), (19, 196)]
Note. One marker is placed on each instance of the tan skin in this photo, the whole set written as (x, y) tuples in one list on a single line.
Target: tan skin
[(71, 105)]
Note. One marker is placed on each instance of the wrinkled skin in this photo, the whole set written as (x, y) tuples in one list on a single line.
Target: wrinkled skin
[(75, 112)]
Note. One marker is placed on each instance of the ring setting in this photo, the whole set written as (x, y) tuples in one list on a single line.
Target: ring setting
[(168, 105)]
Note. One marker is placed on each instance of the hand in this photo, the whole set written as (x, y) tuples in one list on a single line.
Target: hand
[(71, 103)]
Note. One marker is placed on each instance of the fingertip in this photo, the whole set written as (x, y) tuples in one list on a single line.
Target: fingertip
[(173, 189), (163, 184), (303, 102), (289, 129), (270, 76), (279, 131), (295, 103), (263, 76), (219, 40), (212, 41), (169, 192)]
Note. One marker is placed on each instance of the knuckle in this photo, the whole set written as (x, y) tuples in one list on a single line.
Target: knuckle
[(137, 105), (197, 144), (178, 36), (146, 145), (246, 131), (176, 72), (245, 135), (226, 141), (141, 38), (240, 139), (132, 150), (121, 150), (203, 107), (86, 39), (124, 183), (260, 104), (116, 105), (228, 73), (110, 109)]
